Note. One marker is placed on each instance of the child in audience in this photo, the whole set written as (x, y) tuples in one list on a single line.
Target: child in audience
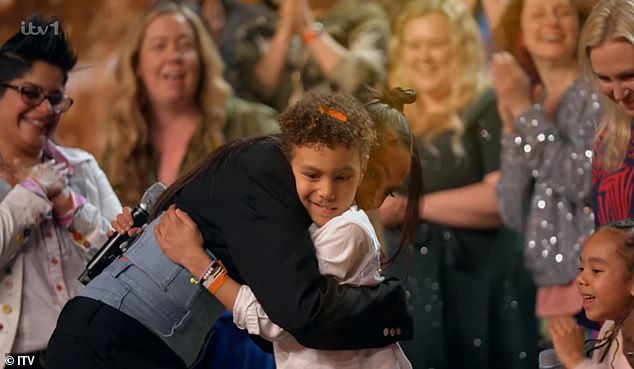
[(606, 284)]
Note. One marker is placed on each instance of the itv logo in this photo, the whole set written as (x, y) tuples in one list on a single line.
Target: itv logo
[(30, 29)]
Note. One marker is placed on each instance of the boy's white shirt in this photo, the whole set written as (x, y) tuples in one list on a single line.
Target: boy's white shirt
[(348, 249)]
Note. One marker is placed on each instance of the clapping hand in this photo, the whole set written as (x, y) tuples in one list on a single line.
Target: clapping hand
[(294, 15), (512, 87), (567, 339), (52, 177)]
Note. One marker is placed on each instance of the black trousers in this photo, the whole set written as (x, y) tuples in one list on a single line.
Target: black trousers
[(93, 335)]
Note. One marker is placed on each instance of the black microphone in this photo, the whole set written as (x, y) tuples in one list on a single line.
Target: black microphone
[(115, 245)]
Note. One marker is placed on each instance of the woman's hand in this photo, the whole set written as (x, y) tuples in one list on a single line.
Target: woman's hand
[(288, 14), (512, 85), (124, 223), (567, 339), (52, 177), (181, 241)]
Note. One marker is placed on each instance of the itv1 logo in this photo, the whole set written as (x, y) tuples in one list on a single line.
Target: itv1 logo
[(30, 29)]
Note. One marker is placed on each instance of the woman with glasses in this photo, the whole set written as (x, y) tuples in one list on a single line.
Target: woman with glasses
[(55, 202)]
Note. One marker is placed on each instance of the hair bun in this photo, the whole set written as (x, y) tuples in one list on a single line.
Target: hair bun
[(397, 97)]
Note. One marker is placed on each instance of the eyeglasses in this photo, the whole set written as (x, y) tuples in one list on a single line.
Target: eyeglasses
[(33, 95)]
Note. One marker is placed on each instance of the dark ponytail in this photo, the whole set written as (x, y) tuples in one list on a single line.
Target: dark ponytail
[(386, 107)]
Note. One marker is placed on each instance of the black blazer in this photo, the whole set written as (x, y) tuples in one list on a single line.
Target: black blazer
[(251, 218)]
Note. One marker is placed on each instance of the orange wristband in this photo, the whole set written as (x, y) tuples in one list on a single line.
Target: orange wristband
[(219, 282), (308, 37)]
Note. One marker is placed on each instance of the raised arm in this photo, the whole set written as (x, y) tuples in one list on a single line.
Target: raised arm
[(557, 147)]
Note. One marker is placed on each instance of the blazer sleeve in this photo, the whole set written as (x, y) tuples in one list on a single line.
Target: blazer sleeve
[(265, 228)]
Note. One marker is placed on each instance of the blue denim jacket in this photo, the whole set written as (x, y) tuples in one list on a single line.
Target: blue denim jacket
[(158, 293)]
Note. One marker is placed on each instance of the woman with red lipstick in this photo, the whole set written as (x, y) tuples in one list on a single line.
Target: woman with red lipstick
[(55, 202)]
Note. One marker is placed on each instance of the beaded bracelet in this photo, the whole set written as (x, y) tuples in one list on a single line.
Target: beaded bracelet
[(215, 279), (194, 280)]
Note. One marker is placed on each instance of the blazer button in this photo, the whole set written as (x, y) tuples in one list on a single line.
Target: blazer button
[(6, 308), (386, 332), (392, 332), (398, 331)]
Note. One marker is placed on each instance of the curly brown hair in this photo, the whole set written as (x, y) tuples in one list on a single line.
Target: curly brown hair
[(130, 150), (329, 119)]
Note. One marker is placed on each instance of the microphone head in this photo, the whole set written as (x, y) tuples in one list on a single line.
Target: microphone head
[(150, 196), (548, 360)]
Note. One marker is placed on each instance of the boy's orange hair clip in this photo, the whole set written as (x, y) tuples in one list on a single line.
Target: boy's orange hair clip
[(333, 113)]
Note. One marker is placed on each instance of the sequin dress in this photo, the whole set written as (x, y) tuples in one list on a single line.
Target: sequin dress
[(471, 295), (546, 183)]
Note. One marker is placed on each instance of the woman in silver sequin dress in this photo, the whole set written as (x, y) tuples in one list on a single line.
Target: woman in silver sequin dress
[(545, 188)]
